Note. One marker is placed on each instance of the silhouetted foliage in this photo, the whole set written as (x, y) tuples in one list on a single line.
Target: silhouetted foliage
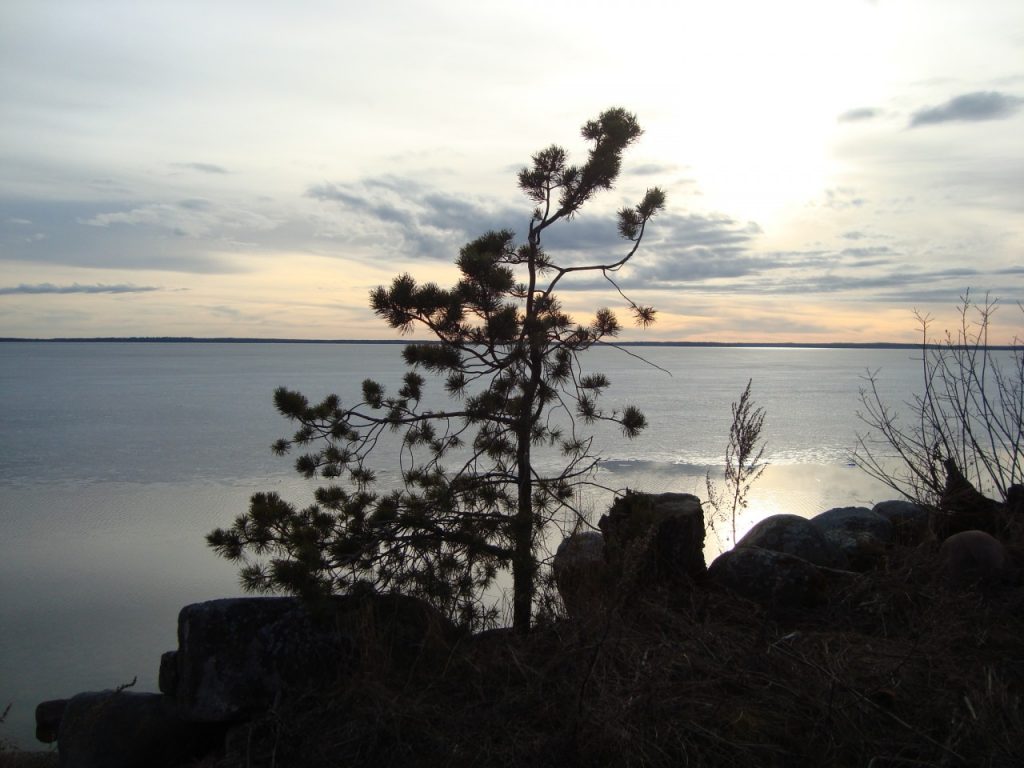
[(472, 499)]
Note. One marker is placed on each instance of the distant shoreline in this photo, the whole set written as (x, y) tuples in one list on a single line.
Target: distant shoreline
[(724, 344)]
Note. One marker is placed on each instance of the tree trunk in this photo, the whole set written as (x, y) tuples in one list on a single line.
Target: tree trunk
[(522, 557)]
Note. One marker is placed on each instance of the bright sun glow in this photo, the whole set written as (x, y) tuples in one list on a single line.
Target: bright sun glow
[(758, 143)]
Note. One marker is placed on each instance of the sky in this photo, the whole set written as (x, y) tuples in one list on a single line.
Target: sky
[(254, 169)]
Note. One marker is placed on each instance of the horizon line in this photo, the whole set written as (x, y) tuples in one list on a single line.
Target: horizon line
[(679, 343)]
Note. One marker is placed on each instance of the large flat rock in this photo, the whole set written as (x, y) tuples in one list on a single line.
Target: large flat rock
[(237, 657)]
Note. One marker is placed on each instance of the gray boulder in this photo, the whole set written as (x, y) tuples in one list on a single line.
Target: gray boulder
[(909, 521), (781, 582), (167, 678), (580, 571), (974, 558), (655, 538), (123, 729), (854, 520), (793, 535), (858, 533), (237, 657), (48, 717)]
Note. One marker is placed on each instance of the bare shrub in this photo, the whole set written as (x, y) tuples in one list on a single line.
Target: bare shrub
[(969, 411), (743, 464)]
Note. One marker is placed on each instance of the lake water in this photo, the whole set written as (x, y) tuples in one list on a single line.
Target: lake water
[(117, 458)]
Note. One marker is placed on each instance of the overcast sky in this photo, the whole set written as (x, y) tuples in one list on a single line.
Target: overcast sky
[(255, 168)]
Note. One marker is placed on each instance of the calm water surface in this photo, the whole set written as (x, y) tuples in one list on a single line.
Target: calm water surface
[(117, 458)]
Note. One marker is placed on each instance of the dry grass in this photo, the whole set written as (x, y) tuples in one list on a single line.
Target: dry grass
[(17, 759), (896, 670), (10, 757)]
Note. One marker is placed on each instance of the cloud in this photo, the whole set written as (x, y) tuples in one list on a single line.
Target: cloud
[(650, 169), (865, 272), (859, 115), (195, 218), (682, 248), (694, 250), (842, 198), (202, 167), (223, 310), (827, 274), (870, 255), (970, 107), (129, 235), (195, 204), (403, 215), (703, 264), (421, 221), (41, 288), (366, 204)]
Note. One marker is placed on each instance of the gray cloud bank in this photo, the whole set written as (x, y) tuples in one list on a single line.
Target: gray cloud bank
[(419, 220), (683, 253), (875, 274), (192, 234), (969, 107), (395, 217), (41, 288), (432, 224)]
